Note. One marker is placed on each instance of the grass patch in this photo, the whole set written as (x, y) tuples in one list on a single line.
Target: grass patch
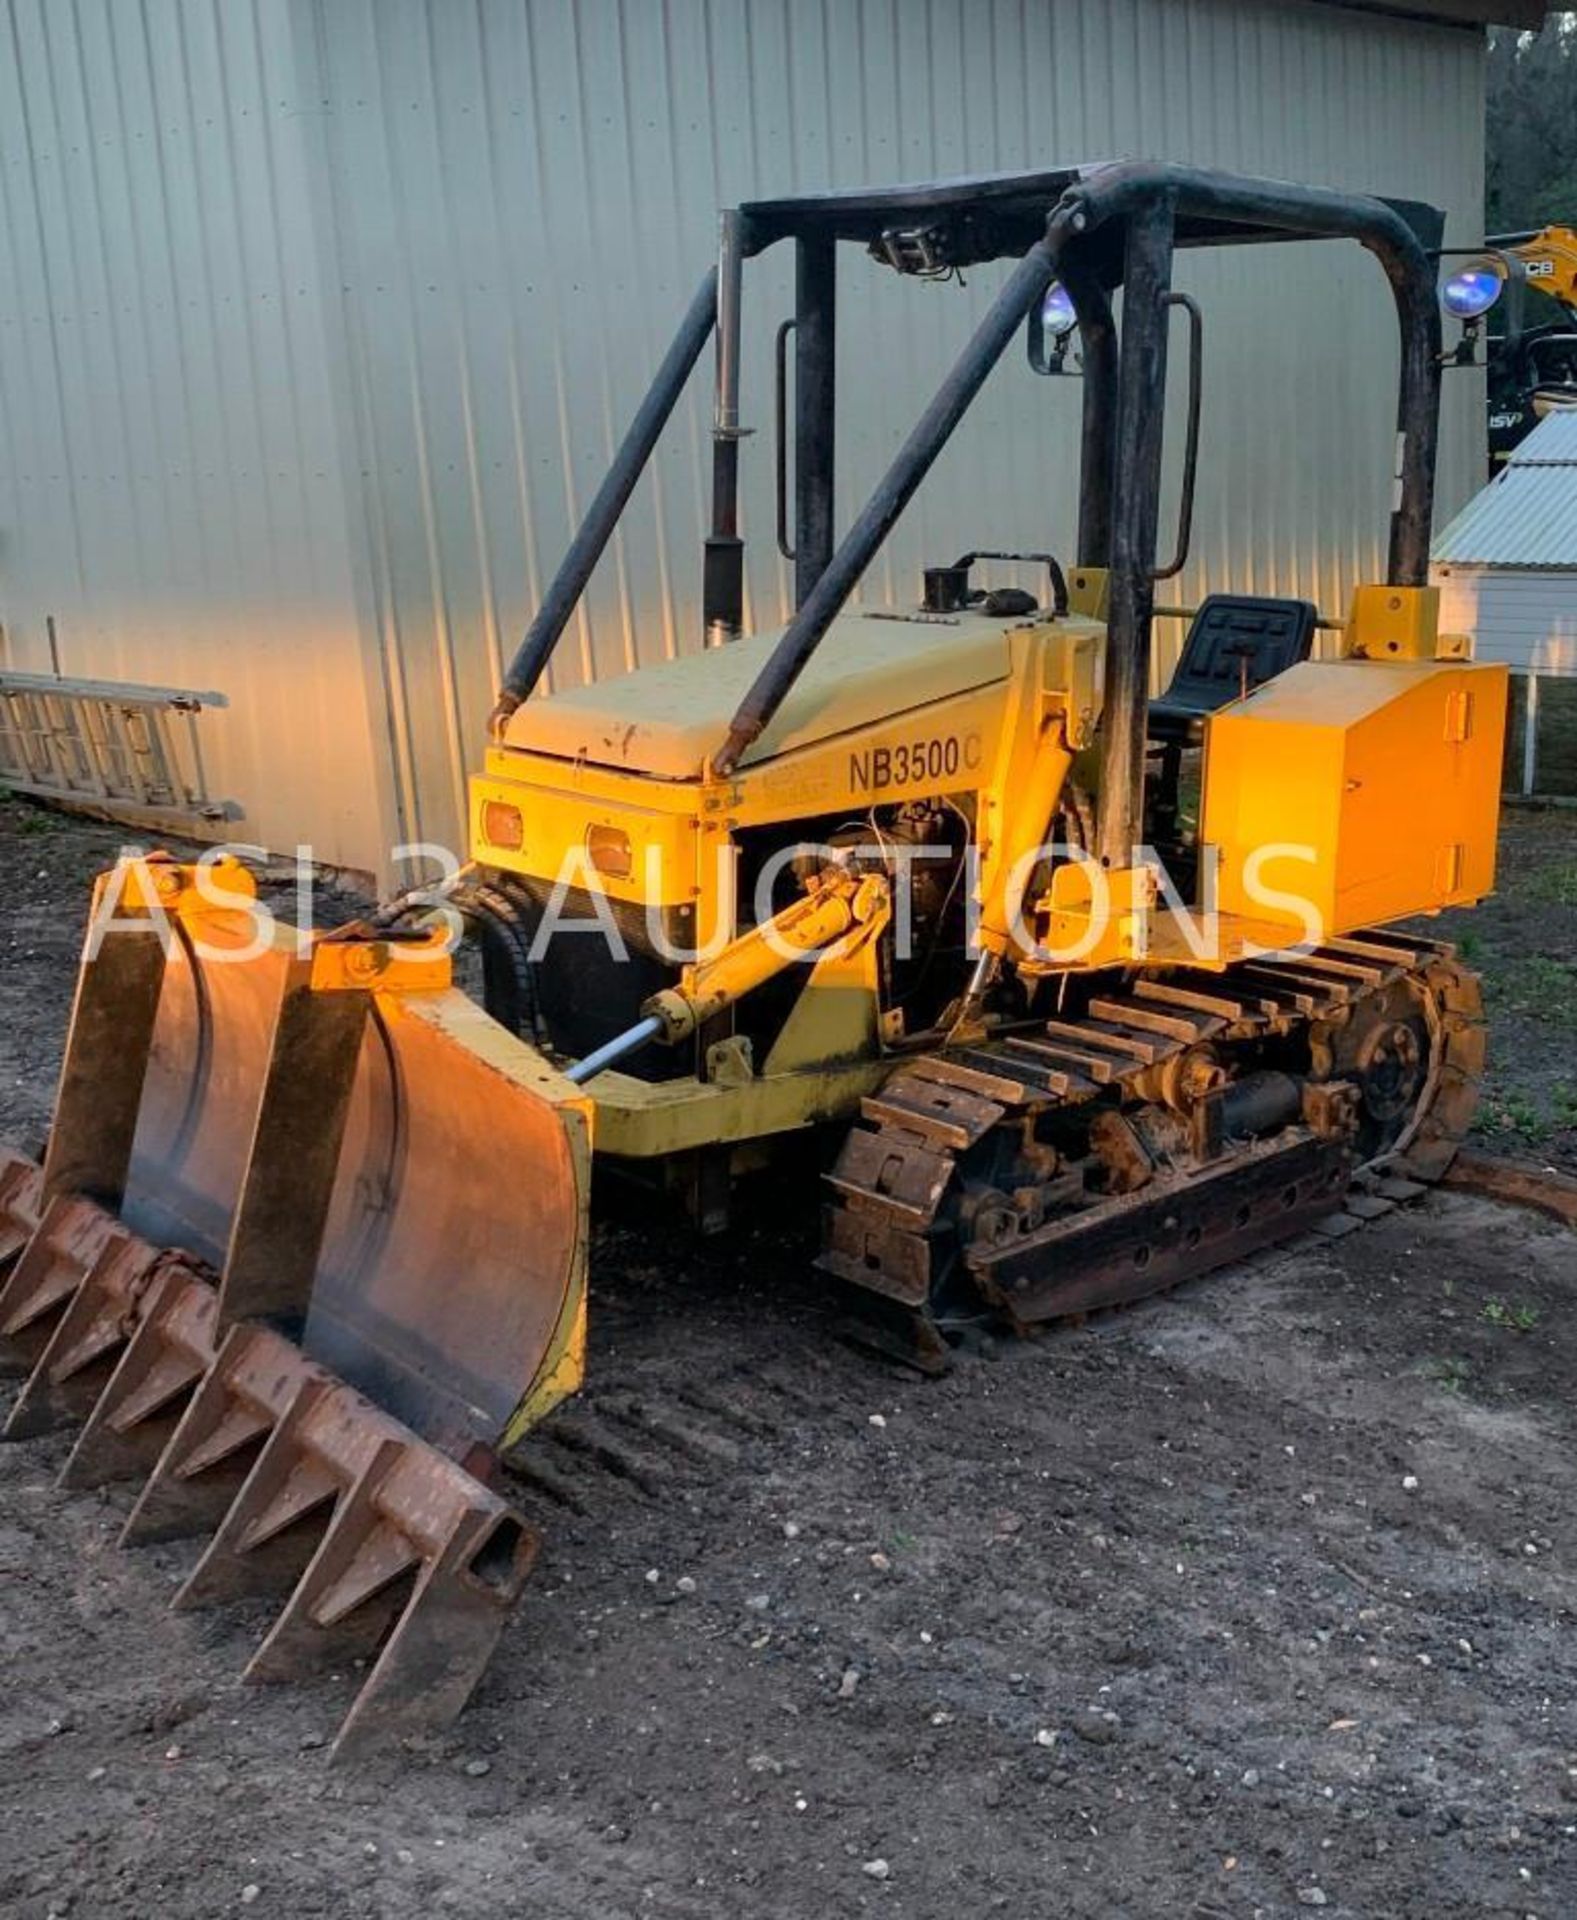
[(1554, 885), (1511, 1112), (1451, 1375), (34, 824), (1511, 1317), (1535, 985)]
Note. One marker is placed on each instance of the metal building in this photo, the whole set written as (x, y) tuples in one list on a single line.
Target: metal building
[(1507, 569), (319, 318)]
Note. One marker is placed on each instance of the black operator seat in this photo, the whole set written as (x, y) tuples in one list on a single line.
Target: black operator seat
[(1235, 643)]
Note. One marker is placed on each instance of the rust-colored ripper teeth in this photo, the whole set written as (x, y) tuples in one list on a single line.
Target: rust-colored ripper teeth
[(49, 1270), (21, 1202), (248, 1386), (79, 1356), (170, 1349), (377, 1544), (364, 1529)]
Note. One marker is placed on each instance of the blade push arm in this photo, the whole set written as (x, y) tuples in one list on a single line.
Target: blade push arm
[(839, 906)]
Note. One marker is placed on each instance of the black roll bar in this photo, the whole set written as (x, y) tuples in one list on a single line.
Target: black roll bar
[(1085, 238), (1136, 510), (1098, 348), (602, 516), (815, 406), (1123, 192), (821, 606), (1321, 212)]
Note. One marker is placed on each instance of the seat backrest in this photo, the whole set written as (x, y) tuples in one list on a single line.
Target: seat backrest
[(1232, 631)]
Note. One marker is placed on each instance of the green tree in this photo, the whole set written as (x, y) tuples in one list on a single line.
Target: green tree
[(1531, 131)]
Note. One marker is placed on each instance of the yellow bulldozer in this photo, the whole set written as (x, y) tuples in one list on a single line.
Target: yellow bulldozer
[(913, 906)]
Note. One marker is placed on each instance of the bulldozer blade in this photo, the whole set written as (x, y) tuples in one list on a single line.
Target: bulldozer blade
[(308, 1248), (452, 1291), (376, 1543), (379, 1167)]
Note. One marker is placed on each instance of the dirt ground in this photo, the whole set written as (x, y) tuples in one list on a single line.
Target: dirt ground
[(1252, 1601)]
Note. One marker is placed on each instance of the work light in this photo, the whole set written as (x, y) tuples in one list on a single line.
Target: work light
[(1057, 316), (1472, 290)]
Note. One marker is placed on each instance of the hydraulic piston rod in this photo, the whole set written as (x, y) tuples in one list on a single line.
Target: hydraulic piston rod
[(612, 1051), (806, 926)]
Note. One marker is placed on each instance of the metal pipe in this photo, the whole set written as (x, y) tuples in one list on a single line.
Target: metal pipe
[(931, 432), (1141, 411), (723, 579), (815, 404), (982, 976), (1418, 433), (1058, 580), (780, 433), (1238, 200), (1196, 376), (614, 1050), (1098, 453), (585, 550), (730, 293)]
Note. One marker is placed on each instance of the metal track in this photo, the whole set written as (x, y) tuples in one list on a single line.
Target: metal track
[(897, 1223)]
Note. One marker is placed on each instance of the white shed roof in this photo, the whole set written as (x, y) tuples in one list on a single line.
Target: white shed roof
[(1527, 515)]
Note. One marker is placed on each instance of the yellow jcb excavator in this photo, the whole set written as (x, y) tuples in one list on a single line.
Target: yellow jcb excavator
[(1532, 369), (912, 891)]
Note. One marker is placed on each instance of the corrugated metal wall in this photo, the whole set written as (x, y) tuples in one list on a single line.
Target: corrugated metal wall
[(491, 212), (525, 194), (1526, 617), (171, 483)]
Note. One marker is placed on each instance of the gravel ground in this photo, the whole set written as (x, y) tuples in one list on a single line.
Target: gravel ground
[(1254, 1600)]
